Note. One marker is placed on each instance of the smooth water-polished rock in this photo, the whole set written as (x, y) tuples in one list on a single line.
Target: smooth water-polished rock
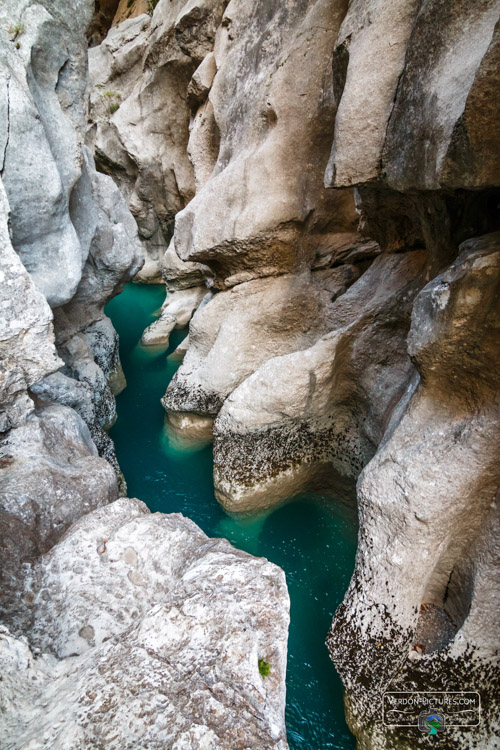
[(240, 328), (158, 632), (27, 351), (269, 146), (45, 62), (176, 312), (314, 418), (429, 519)]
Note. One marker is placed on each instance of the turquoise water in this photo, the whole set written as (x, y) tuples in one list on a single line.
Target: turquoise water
[(312, 540)]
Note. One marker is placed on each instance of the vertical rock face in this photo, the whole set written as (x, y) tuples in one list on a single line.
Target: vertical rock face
[(27, 351), (425, 575), (70, 227), (139, 102), (338, 336), (419, 612)]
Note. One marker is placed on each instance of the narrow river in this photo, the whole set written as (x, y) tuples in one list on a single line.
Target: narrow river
[(313, 541)]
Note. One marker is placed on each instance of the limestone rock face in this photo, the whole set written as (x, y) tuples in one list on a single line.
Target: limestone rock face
[(50, 473), (151, 603), (140, 76), (428, 516), (243, 327), (27, 351), (42, 113), (160, 646), (409, 133), (70, 227), (429, 109), (271, 211), (317, 415)]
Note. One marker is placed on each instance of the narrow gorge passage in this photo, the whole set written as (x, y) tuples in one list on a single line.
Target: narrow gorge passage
[(313, 542)]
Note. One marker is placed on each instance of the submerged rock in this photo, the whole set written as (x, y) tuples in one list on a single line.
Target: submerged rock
[(157, 639)]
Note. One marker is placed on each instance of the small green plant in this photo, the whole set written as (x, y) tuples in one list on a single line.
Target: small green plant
[(113, 107), (16, 29), (112, 94), (151, 6), (264, 668), (130, 3)]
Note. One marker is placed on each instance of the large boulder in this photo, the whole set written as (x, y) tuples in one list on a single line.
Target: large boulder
[(158, 639)]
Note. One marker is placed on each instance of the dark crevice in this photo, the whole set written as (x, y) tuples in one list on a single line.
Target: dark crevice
[(4, 155)]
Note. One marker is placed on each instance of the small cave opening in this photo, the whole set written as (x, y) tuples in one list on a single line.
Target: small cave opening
[(445, 603)]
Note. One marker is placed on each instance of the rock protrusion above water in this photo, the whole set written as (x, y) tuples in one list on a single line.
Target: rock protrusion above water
[(315, 417), (159, 621)]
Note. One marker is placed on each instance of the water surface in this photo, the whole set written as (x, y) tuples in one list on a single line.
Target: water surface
[(312, 540)]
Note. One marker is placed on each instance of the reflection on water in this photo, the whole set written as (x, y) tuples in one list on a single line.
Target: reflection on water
[(313, 541)]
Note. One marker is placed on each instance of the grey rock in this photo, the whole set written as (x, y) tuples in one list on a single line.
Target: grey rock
[(261, 152), (428, 517), (138, 65), (27, 351), (158, 637), (313, 418), (429, 106), (51, 474), (243, 327), (41, 159)]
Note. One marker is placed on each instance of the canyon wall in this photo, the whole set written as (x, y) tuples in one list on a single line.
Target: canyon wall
[(114, 620), (317, 185), (339, 168)]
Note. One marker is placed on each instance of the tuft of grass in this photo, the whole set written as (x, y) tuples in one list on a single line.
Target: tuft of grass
[(16, 29), (113, 107), (130, 3), (264, 668)]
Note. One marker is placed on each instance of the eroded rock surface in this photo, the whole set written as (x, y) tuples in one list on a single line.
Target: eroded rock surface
[(158, 630), (316, 416), (140, 76), (428, 516), (27, 350)]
